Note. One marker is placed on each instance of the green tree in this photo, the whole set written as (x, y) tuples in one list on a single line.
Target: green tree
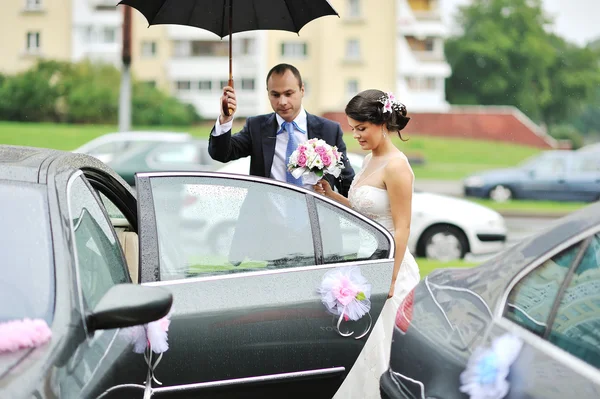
[(505, 56)]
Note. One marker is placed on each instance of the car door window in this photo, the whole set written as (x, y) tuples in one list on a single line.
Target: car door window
[(530, 301), (347, 238), (213, 226), (576, 327), (100, 260)]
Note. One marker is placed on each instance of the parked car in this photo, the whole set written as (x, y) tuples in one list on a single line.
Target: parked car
[(250, 323), (552, 175), (442, 227), (131, 152), (545, 291)]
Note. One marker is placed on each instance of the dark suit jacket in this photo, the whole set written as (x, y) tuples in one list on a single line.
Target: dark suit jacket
[(258, 138)]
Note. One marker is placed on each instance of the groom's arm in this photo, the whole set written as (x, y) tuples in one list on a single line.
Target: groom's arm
[(345, 179), (224, 146)]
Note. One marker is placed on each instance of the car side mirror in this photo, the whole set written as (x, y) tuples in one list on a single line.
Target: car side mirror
[(126, 305)]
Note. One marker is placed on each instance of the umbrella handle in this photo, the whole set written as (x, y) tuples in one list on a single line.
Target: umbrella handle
[(226, 110)]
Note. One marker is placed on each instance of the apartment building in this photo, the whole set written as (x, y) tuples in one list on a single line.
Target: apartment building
[(421, 64), (394, 45), (31, 29)]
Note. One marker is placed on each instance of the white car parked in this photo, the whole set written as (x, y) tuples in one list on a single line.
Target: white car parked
[(442, 227)]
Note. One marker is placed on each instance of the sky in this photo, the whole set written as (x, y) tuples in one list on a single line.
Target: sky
[(577, 20)]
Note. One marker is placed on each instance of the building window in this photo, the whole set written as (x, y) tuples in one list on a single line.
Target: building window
[(205, 85), (247, 84), (184, 85), (201, 48), (33, 5), (243, 46), (426, 45), (294, 49), (223, 83), (419, 83), (181, 48), (353, 8), (109, 35), (148, 49), (33, 42), (351, 88), (353, 50)]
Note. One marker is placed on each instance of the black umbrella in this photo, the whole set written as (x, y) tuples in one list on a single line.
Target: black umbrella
[(225, 17)]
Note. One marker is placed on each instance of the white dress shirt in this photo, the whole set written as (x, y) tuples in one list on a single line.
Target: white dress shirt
[(279, 167)]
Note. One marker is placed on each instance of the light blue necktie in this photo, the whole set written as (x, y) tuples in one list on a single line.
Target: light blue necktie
[(292, 145)]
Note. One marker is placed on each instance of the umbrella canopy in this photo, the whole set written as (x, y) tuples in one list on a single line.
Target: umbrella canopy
[(224, 17), (247, 15)]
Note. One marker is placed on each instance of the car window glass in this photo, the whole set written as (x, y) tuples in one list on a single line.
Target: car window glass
[(209, 226), (27, 268), (111, 209), (588, 164), (347, 238), (551, 166), (530, 301), (576, 328), (175, 153), (99, 258)]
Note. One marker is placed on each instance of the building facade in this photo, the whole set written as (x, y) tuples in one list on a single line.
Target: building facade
[(395, 45)]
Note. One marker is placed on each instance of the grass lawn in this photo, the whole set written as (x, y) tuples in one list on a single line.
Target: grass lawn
[(217, 264), (446, 158), (532, 207)]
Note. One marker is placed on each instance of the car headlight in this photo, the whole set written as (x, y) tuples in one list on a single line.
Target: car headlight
[(474, 181)]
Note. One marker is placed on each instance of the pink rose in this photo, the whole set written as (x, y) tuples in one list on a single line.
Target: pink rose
[(345, 291), (302, 160), (320, 150), (302, 148), (326, 159)]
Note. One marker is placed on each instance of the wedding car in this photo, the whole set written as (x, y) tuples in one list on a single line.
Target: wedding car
[(442, 227), (86, 256), (525, 324)]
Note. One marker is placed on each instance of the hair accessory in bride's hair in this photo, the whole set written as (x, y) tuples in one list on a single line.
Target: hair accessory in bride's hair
[(390, 103)]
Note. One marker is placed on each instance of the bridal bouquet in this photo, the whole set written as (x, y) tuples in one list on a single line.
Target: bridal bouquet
[(313, 159)]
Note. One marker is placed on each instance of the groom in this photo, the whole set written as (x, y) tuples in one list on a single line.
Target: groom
[(266, 138)]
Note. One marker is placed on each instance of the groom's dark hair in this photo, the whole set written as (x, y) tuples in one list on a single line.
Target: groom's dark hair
[(280, 69)]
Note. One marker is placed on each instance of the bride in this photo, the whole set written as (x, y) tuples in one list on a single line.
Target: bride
[(382, 191)]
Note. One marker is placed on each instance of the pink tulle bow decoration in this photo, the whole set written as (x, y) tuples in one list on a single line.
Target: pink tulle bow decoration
[(21, 334), (346, 292), (153, 334)]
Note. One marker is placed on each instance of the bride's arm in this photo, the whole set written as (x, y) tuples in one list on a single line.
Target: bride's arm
[(398, 179), (323, 187)]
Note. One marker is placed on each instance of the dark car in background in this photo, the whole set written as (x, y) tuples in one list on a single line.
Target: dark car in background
[(545, 291), (557, 175)]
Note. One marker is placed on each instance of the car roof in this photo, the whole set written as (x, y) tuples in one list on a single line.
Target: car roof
[(491, 279), (23, 163)]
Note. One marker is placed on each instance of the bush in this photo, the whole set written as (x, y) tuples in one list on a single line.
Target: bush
[(85, 93), (567, 132)]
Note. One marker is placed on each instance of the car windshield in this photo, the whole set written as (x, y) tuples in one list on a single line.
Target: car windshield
[(27, 277)]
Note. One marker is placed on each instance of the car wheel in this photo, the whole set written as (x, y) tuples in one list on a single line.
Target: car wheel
[(221, 238), (501, 193), (444, 243)]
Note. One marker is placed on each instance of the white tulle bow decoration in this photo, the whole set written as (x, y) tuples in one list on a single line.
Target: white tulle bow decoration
[(487, 370), (153, 336), (346, 293)]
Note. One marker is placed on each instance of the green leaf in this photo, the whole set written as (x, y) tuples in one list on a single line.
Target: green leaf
[(361, 296)]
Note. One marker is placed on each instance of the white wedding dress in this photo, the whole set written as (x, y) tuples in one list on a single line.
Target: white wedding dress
[(363, 379)]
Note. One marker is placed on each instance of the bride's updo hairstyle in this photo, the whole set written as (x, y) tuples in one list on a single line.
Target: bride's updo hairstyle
[(379, 108)]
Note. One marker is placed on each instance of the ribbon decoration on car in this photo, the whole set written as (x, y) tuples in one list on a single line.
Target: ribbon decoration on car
[(346, 293)]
